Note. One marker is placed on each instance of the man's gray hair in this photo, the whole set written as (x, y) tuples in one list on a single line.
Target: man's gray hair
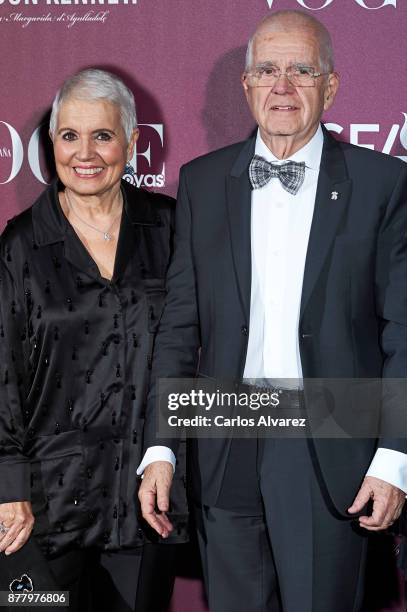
[(94, 84), (285, 21)]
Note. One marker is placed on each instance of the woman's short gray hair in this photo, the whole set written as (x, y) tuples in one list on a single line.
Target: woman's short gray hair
[(94, 84)]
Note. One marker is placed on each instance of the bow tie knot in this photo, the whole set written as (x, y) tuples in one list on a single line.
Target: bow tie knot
[(291, 174)]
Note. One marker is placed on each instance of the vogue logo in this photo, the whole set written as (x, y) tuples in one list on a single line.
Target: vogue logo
[(152, 137), (150, 151), (132, 172), (371, 5), (358, 131)]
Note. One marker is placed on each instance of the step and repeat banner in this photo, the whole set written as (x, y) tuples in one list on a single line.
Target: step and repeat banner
[(183, 60)]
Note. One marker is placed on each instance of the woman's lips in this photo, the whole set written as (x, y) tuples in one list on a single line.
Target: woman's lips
[(88, 173)]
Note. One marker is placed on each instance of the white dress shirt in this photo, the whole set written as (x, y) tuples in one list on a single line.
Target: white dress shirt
[(280, 228)]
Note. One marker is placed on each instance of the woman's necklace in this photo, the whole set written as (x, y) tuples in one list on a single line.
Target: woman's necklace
[(106, 234)]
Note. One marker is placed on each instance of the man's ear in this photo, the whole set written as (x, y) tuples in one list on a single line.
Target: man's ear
[(245, 86), (331, 90)]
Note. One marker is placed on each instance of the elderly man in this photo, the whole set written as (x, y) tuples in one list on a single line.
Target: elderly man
[(290, 263)]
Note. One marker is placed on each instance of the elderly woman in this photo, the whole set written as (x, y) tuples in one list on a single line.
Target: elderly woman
[(82, 288)]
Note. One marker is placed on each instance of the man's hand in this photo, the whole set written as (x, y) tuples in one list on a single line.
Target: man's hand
[(154, 493), (18, 519), (388, 503)]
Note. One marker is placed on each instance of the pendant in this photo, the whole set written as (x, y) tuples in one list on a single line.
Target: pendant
[(107, 236)]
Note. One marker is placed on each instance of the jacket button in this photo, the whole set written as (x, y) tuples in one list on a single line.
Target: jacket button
[(244, 330)]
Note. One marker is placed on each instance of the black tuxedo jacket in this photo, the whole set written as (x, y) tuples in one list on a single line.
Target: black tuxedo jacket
[(353, 321)]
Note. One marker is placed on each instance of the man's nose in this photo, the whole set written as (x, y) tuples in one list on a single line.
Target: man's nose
[(283, 85)]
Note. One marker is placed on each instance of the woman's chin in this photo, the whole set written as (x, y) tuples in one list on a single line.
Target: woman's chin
[(86, 187)]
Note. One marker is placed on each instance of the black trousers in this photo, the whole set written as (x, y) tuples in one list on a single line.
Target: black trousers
[(272, 544), (118, 581)]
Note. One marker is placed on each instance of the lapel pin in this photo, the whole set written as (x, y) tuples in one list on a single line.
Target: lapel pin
[(334, 195)]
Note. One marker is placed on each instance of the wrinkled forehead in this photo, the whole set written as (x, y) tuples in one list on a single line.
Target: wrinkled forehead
[(286, 47), (88, 112)]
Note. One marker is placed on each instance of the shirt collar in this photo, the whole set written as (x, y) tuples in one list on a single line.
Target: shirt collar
[(310, 153), (50, 224)]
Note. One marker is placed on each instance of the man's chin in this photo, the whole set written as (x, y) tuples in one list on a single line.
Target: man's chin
[(283, 131)]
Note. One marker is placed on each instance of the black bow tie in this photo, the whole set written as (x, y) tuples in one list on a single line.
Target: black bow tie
[(291, 174)]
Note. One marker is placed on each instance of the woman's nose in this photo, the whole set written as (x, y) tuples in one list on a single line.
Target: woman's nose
[(85, 149)]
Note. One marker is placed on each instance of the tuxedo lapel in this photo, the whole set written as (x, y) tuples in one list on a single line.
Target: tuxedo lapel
[(333, 192), (238, 196)]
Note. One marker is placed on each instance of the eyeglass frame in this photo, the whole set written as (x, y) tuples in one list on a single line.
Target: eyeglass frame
[(313, 76)]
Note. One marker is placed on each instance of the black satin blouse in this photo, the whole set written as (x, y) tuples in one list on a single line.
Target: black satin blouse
[(75, 357)]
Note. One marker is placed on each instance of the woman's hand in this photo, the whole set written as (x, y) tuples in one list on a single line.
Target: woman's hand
[(18, 520)]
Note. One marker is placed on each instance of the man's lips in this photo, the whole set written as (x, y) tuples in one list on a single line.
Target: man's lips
[(284, 108)]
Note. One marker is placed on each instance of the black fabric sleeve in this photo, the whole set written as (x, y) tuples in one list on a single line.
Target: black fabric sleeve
[(177, 344), (391, 301), (14, 466)]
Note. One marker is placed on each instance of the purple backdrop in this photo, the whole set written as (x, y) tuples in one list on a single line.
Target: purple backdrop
[(182, 59)]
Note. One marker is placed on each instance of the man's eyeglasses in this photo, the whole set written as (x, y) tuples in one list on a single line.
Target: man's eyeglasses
[(266, 75)]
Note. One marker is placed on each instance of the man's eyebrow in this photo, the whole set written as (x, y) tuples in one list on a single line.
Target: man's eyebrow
[(299, 63), (266, 63), (302, 64)]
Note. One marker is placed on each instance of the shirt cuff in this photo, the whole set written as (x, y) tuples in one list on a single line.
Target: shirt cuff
[(391, 466), (15, 481), (156, 453)]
